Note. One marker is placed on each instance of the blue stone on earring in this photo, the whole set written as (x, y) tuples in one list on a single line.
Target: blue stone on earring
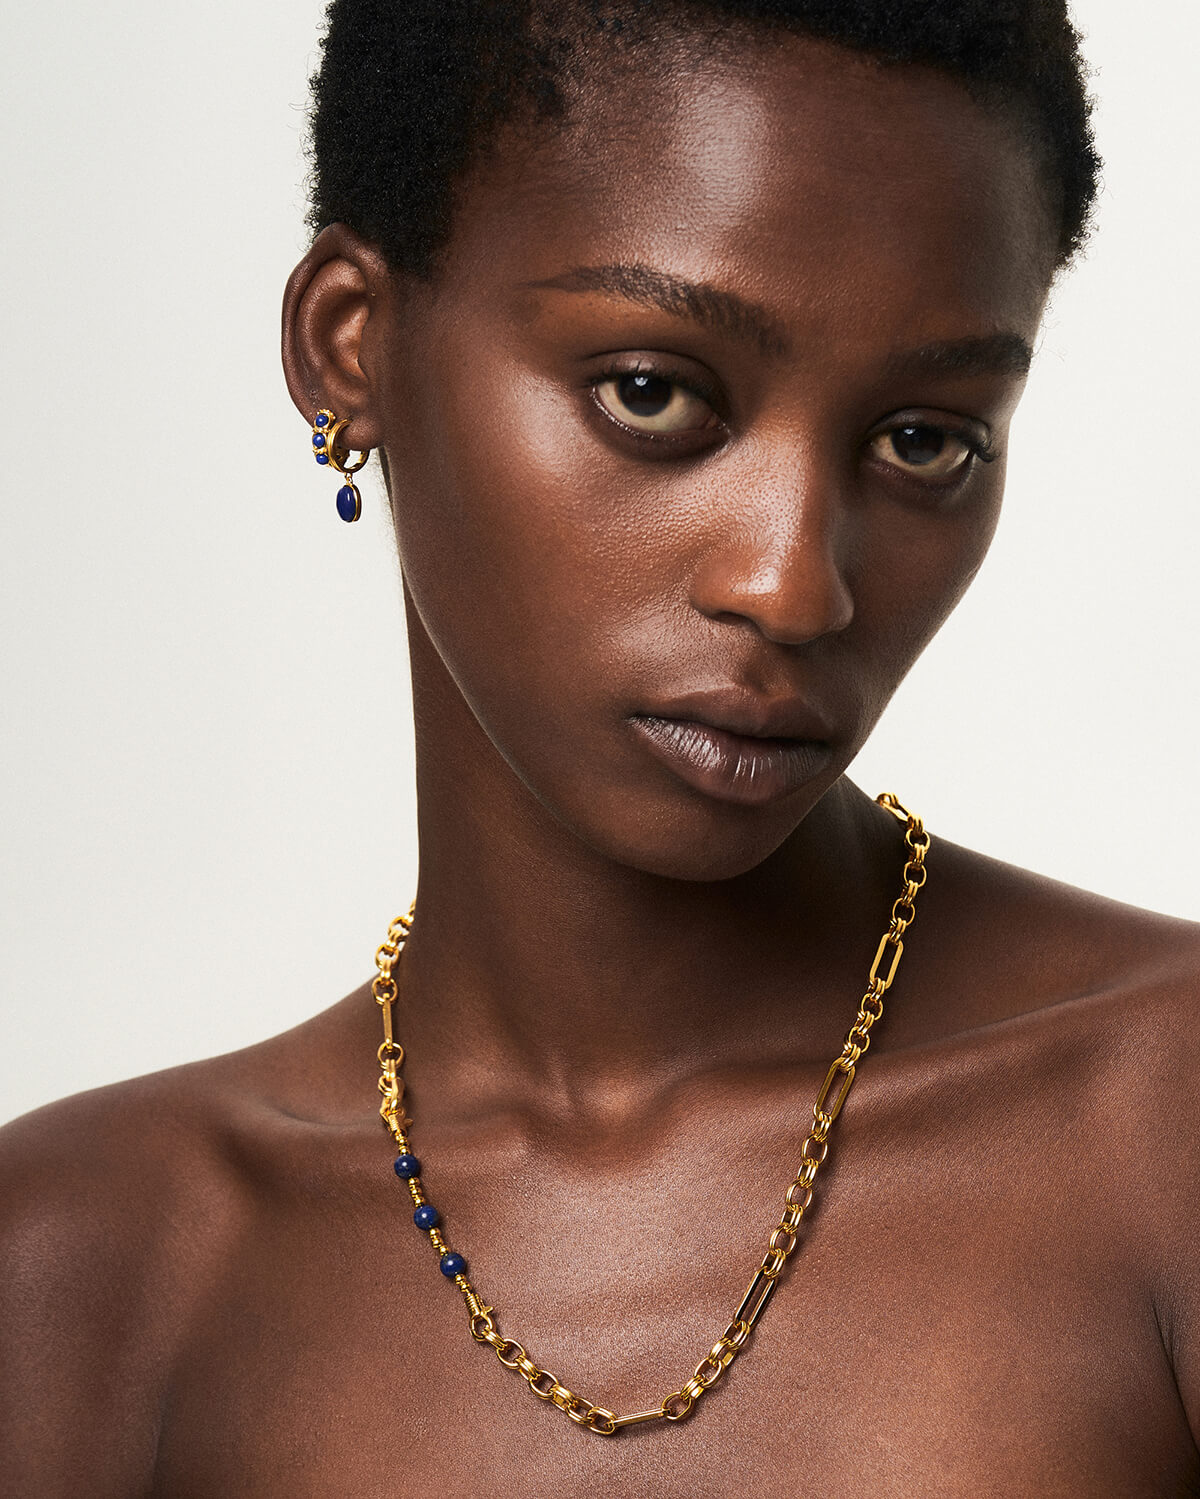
[(330, 452)]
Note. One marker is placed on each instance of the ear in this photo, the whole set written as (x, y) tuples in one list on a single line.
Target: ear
[(334, 312)]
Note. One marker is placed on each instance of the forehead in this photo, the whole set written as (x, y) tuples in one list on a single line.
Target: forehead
[(800, 174)]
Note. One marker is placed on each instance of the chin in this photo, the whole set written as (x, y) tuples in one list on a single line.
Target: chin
[(688, 836)]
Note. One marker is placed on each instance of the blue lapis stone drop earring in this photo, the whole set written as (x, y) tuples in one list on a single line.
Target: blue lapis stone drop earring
[(331, 453)]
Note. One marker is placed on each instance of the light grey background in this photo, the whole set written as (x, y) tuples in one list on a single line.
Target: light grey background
[(207, 800)]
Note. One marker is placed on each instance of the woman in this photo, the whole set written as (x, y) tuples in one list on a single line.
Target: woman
[(689, 339)]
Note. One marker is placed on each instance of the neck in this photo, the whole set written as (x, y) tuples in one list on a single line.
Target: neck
[(538, 968)]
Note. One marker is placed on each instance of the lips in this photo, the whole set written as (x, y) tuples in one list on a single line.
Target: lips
[(738, 711), (736, 747)]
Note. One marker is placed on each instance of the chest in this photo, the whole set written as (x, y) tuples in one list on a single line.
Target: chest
[(955, 1319)]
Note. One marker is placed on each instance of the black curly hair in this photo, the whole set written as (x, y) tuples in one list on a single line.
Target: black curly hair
[(409, 92)]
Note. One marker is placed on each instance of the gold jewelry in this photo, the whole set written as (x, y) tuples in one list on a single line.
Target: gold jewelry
[(830, 1098), (329, 450)]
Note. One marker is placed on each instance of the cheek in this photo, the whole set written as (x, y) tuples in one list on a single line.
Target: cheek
[(915, 571), (523, 568)]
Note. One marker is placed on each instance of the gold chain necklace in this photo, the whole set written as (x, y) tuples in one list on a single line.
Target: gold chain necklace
[(830, 1098)]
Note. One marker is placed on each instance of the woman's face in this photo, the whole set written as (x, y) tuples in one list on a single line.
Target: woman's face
[(704, 424)]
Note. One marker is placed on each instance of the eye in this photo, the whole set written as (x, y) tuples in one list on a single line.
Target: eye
[(927, 451), (653, 402)]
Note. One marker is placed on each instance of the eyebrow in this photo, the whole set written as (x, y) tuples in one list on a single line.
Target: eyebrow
[(722, 311), (727, 312), (986, 354)]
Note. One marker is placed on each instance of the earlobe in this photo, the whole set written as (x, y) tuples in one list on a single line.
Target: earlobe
[(328, 331)]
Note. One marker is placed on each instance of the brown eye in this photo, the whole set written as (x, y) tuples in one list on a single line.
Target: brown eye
[(652, 403), (930, 452)]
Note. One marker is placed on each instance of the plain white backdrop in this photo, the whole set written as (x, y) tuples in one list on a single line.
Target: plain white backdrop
[(206, 795)]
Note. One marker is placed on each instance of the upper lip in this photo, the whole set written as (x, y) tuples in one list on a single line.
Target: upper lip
[(740, 711)]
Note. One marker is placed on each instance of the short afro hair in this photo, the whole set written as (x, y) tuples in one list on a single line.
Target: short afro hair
[(410, 92)]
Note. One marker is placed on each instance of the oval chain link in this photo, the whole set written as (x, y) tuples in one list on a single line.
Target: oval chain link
[(784, 1238)]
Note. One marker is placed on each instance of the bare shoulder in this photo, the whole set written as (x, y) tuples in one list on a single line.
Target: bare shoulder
[(1034, 942), (119, 1209), (1100, 1002), (116, 1204), (1098, 996)]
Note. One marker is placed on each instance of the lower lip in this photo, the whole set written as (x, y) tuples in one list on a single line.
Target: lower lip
[(732, 767)]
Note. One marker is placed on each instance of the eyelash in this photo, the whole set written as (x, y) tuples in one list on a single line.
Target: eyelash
[(981, 450)]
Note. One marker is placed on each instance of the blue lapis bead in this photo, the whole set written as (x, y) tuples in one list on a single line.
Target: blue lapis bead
[(452, 1264), (349, 503), (322, 420), (426, 1216), (321, 457), (407, 1166), (318, 439)]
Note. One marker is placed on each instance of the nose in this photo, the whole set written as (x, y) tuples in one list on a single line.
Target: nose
[(775, 556)]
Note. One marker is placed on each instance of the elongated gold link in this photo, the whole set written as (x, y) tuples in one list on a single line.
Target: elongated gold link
[(784, 1238)]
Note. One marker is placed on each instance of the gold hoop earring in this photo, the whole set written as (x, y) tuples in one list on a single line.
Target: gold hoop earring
[(328, 451)]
